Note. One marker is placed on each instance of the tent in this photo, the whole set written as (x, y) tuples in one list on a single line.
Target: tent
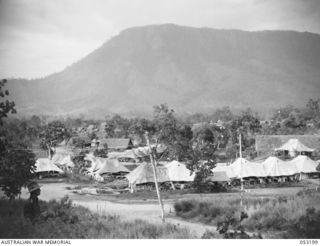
[(178, 172), (274, 167), (219, 176), (63, 161), (62, 157), (110, 166), (46, 165), (294, 145), (243, 168), (144, 174), (304, 164), (224, 168), (126, 154)]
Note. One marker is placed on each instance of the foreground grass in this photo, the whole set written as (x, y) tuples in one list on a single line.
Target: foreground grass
[(278, 217), (64, 220)]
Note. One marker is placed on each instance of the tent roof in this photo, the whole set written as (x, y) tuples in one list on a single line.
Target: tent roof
[(46, 165), (275, 167), (178, 172), (144, 174), (219, 177), (223, 167), (111, 166), (116, 143), (126, 154), (63, 157), (248, 169), (304, 164), (294, 144)]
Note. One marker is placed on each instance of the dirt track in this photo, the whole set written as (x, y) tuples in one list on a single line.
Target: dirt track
[(149, 212)]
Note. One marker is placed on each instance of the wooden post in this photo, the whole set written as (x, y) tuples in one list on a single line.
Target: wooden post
[(241, 174), (153, 163)]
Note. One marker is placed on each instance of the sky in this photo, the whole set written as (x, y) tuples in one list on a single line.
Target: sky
[(41, 37)]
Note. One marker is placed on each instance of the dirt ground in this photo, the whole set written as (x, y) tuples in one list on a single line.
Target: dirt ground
[(145, 209)]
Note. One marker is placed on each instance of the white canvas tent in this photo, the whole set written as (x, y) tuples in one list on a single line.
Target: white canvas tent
[(219, 177), (294, 145), (304, 164), (224, 168), (144, 174), (62, 160), (274, 167), (95, 166), (46, 165), (110, 166), (244, 168), (178, 172)]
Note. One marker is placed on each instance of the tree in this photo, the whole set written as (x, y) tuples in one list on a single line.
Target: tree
[(313, 111), (205, 142), (17, 168), (175, 135), (224, 114), (101, 152), (287, 120), (117, 127), (54, 133), (248, 125), (139, 126), (80, 164), (6, 106), (17, 163)]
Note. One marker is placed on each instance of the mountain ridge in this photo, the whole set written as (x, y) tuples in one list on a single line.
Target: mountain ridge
[(191, 69)]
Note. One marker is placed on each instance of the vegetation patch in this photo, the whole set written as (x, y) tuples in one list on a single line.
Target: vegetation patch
[(61, 219), (294, 216)]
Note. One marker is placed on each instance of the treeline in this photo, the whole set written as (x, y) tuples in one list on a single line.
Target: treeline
[(219, 130)]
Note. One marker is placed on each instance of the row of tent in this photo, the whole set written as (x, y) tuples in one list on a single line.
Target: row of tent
[(177, 172), (271, 167), (173, 171), (166, 172)]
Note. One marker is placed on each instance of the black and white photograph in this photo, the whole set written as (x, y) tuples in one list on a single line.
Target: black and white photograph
[(159, 119)]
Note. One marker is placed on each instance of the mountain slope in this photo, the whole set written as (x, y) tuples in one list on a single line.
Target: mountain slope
[(191, 69)]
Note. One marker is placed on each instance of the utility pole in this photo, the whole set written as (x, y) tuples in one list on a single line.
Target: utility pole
[(153, 163), (241, 174)]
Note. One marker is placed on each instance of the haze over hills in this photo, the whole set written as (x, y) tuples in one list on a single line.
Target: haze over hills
[(190, 69)]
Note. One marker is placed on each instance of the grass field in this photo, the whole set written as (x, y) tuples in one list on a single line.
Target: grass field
[(292, 216), (64, 220)]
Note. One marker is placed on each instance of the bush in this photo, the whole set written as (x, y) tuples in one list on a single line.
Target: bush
[(184, 206), (62, 219), (307, 226), (268, 215), (231, 228), (204, 211)]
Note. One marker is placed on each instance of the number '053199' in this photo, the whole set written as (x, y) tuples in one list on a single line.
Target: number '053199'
[(313, 242)]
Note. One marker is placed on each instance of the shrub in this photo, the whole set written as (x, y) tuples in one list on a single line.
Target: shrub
[(268, 215), (62, 219), (307, 226), (184, 206), (231, 228)]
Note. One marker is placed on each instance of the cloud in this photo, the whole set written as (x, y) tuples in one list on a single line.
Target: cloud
[(38, 37)]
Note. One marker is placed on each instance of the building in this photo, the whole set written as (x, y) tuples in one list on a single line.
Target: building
[(115, 144), (266, 144)]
